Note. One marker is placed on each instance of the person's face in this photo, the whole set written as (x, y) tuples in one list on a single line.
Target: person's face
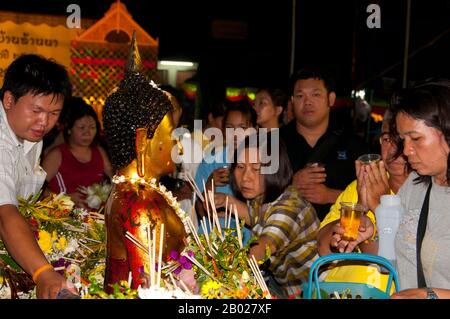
[(425, 146), (395, 166), (83, 131), (311, 102), (247, 174), (236, 120), (267, 112), (32, 116)]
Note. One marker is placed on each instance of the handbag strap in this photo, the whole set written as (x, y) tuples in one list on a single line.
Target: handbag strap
[(421, 228)]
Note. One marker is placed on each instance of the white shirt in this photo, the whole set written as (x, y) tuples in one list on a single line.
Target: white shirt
[(435, 253), (20, 172)]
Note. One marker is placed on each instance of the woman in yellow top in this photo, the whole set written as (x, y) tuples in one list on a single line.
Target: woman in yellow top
[(372, 181)]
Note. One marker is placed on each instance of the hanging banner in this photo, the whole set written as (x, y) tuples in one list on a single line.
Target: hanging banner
[(49, 41)]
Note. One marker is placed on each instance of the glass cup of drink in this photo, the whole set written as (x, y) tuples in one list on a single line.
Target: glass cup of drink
[(351, 214), (366, 159)]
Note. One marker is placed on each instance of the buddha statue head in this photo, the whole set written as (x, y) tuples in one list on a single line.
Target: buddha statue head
[(138, 123)]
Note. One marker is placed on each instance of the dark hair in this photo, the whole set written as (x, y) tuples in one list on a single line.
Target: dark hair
[(275, 183), (241, 106), (77, 108), (135, 104), (313, 72), (278, 97), (31, 73), (218, 107), (428, 101)]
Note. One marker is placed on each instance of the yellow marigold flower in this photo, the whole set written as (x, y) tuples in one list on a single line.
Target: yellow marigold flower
[(45, 241), (211, 289), (61, 244), (54, 235)]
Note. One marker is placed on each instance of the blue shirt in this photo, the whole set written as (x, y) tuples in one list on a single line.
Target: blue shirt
[(205, 169), (209, 165)]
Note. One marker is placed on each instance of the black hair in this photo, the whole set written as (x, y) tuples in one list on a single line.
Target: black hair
[(31, 73), (428, 101), (241, 106), (135, 104), (77, 108), (275, 183), (278, 97), (218, 107), (313, 72)]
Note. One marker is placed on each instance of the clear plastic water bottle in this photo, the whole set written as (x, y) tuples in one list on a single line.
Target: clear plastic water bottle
[(388, 215)]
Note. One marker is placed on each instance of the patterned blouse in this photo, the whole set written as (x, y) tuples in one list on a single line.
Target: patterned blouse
[(292, 224)]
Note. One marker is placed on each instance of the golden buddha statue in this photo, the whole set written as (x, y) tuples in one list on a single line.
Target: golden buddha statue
[(138, 124)]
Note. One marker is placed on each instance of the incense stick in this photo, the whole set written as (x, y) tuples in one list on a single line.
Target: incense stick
[(238, 227), (194, 186), (154, 255), (150, 255), (135, 241), (207, 205), (161, 238), (129, 279), (259, 275)]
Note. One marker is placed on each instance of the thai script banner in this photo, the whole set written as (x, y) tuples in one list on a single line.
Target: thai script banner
[(51, 42)]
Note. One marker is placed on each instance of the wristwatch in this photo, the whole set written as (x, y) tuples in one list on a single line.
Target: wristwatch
[(431, 294)]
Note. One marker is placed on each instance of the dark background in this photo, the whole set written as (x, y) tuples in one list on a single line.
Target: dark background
[(328, 33)]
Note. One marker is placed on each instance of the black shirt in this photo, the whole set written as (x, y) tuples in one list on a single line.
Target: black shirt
[(337, 149)]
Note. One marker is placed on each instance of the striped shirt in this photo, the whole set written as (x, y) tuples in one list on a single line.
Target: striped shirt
[(292, 224), (20, 172)]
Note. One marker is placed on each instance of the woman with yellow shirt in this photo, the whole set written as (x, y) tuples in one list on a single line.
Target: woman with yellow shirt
[(373, 180)]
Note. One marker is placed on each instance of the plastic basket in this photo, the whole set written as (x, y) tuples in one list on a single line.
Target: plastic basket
[(312, 289)]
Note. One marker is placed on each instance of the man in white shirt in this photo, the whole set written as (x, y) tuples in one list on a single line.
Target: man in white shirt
[(31, 99)]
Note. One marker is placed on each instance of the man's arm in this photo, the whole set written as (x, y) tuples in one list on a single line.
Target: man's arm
[(23, 247)]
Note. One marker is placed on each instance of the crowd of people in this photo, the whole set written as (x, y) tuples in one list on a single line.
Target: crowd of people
[(292, 210)]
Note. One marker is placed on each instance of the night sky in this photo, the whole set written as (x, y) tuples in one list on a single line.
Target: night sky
[(327, 33)]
